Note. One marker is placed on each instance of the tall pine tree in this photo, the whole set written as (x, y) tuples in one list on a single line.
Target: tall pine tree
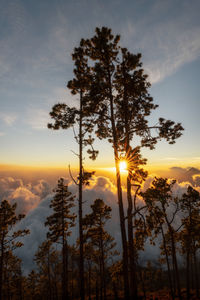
[(8, 237), (59, 224)]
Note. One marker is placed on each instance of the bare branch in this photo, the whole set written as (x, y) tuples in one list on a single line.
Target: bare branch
[(70, 173)]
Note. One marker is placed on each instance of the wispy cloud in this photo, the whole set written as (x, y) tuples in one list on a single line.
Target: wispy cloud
[(8, 118), (37, 118), (168, 37)]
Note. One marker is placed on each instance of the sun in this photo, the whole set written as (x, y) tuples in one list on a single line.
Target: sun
[(123, 166)]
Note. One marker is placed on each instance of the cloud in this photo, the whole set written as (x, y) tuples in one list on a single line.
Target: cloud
[(35, 197), (168, 37), (27, 196), (8, 118), (34, 221), (196, 179), (184, 174), (25, 200), (37, 118), (101, 187)]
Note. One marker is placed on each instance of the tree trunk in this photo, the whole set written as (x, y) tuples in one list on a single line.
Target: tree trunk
[(175, 264), (1, 266), (89, 282), (120, 200), (49, 276), (168, 265), (188, 273), (80, 212), (115, 291), (196, 275), (97, 290), (64, 289), (131, 248), (143, 284)]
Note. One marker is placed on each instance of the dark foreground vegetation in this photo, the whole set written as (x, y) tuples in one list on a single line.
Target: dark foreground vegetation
[(114, 104)]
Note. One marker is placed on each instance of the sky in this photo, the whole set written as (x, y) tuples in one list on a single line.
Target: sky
[(36, 42)]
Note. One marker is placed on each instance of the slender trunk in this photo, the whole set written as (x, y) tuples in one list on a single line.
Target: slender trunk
[(101, 278), (143, 284), (72, 279), (120, 200), (64, 290), (89, 282), (1, 274), (103, 274), (188, 273), (1, 265), (192, 271), (49, 276), (64, 257), (196, 275), (115, 291), (168, 265), (80, 212), (97, 290), (131, 248), (175, 264)]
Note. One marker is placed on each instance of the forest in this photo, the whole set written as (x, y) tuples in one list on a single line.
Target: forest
[(114, 105)]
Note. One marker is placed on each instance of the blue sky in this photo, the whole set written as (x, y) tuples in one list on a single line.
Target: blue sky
[(36, 40)]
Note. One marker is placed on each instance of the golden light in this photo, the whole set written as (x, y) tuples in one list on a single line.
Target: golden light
[(123, 166)]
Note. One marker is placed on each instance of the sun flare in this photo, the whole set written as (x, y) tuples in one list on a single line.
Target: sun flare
[(123, 166)]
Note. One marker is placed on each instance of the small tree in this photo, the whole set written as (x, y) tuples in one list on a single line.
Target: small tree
[(48, 264), (101, 240), (59, 224), (13, 279), (189, 236), (9, 239), (159, 198)]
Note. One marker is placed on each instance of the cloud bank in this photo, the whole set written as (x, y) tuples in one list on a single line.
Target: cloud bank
[(34, 200)]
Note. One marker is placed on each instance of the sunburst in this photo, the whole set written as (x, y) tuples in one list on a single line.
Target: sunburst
[(123, 166)]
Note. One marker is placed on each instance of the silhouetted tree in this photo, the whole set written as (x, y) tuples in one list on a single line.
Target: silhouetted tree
[(47, 260), (189, 236), (114, 99), (101, 240), (9, 239), (12, 274), (59, 224), (32, 288), (118, 96), (65, 117), (159, 198)]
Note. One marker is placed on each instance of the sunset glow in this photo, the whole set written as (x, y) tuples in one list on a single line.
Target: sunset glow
[(123, 166)]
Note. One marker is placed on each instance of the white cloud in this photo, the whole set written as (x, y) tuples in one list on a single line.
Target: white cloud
[(167, 36), (35, 198), (8, 118), (26, 196), (37, 118)]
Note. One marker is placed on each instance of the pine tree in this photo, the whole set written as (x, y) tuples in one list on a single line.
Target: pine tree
[(158, 198), (66, 117), (101, 240), (189, 236), (47, 260), (118, 96), (59, 224), (114, 97), (8, 237)]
